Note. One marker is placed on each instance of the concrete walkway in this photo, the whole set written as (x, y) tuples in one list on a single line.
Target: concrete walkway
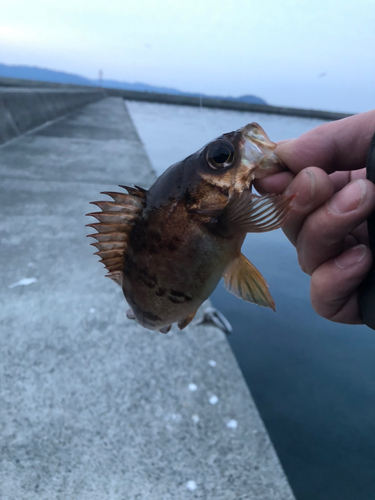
[(93, 407)]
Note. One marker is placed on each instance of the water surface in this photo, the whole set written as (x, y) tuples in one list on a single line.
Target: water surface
[(313, 381)]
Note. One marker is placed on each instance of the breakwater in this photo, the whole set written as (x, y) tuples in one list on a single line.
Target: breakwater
[(186, 100), (22, 109)]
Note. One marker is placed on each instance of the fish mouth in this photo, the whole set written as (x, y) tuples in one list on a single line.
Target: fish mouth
[(258, 152), (256, 143)]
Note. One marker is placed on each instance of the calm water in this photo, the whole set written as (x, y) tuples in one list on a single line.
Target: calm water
[(313, 381)]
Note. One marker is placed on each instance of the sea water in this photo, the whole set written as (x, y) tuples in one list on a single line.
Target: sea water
[(313, 381)]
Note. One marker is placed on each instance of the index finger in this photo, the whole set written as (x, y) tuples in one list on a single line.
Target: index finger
[(339, 145)]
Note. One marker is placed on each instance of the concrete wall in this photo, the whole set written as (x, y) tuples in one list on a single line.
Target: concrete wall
[(21, 83), (206, 102), (185, 100), (22, 109)]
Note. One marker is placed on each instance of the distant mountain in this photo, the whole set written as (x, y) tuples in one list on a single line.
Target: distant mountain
[(48, 75), (250, 98), (41, 74)]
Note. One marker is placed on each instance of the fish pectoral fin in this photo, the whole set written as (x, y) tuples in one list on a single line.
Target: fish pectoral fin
[(254, 214), (115, 222), (184, 323), (245, 281)]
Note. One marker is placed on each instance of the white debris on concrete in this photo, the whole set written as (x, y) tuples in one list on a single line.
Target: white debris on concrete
[(192, 387), (232, 424), (23, 282), (213, 400), (195, 418), (212, 363), (92, 310), (191, 485)]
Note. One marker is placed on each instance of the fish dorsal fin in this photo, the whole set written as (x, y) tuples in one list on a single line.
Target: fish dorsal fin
[(135, 191), (115, 222), (253, 214), (245, 281)]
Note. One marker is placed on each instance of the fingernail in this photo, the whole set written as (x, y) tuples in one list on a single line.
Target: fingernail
[(305, 192), (349, 198), (351, 257)]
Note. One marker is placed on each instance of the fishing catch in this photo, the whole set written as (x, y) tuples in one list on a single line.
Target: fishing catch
[(169, 246)]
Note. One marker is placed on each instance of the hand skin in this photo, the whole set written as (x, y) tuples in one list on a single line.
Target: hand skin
[(333, 200)]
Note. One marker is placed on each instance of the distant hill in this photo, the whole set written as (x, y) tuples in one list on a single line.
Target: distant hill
[(49, 75)]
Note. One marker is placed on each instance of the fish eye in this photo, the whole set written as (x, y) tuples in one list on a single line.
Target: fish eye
[(220, 155)]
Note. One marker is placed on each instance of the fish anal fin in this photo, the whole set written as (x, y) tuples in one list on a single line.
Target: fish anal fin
[(184, 322), (250, 213), (115, 222), (165, 329), (245, 281)]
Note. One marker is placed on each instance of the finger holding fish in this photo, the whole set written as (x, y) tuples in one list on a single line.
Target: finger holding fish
[(311, 188), (334, 285), (340, 216)]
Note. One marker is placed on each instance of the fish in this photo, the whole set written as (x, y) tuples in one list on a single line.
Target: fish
[(169, 246)]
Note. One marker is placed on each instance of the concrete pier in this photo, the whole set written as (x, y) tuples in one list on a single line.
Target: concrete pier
[(184, 100), (22, 109), (92, 406)]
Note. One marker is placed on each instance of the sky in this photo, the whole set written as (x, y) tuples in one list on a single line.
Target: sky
[(312, 54)]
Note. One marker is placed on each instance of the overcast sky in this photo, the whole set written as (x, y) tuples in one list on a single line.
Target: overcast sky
[(316, 53)]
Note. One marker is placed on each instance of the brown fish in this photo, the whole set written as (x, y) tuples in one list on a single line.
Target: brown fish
[(169, 246)]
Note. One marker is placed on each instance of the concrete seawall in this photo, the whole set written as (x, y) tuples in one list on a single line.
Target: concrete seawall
[(186, 100), (207, 102), (22, 109)]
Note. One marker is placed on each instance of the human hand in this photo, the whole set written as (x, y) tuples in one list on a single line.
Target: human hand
[(333, 200)]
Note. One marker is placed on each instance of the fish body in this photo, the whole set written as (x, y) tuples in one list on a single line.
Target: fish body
[(168, 247)]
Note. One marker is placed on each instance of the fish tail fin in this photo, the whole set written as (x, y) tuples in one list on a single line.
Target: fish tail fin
[(115, 222)]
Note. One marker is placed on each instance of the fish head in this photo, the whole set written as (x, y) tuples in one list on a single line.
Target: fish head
[(224, 168), (234, 160)]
